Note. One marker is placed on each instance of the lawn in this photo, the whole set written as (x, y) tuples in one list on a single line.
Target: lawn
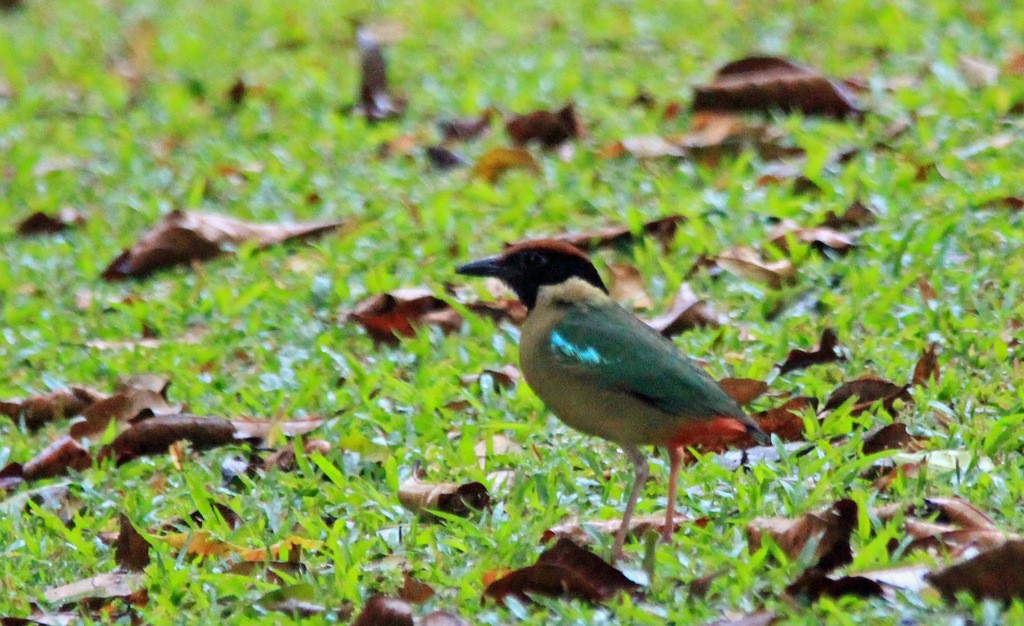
[(123, 111)]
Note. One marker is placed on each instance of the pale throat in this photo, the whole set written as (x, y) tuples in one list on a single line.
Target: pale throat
[(569, 292)]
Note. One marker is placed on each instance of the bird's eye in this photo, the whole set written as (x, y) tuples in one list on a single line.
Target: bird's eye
[(534, 259)]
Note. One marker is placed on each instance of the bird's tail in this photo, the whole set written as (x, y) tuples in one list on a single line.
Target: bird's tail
[(759, 435)]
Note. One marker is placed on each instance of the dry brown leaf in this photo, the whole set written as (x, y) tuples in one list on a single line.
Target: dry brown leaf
[(996, 574), (385, 611), (388, 316), (687, 312), (857, 215), (56, 459), (41, 409), (768, 83), (284, 458), (466, 128), (563, 571), (831, 529), (444, 159), (825, 352), (414, 591), (403, 145), (927, 368), (182, 237), (868, 390), (627, 287), (662, 229), (504, 377), (131, 550), (743, 390), (497, 445), (497, 161), (40, 223), (745, 262), (123, 407), (452, 498), (890, 437), (375, 101), (549, 129), (821, 238), (814, 584), (101, 586), (712, 136), (646, 147)]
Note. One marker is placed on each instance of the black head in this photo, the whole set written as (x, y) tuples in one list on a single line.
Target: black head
[(527, 267)]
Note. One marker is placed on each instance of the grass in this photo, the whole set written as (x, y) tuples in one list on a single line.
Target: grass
[(272, 345)]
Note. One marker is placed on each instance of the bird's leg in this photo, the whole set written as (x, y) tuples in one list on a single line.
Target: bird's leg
[(640, 473), (675, 456)]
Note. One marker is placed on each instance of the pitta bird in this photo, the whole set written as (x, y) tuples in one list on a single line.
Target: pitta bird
[(604, 372)]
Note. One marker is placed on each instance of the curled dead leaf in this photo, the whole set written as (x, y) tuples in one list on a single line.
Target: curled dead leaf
[(813, 584), (123, 407), (452, 498), (375, 101), (444, 159), (547, 128), (56, 459), (857, 215), (48, 407), (466, 128), (745, 262), (131, 550), (830, 529), (927, 368), (890, 437), (822, 238), (768, 83), (181, 237), (387, 316), (825, 352), (415, 591), (743, 390), (868, 390), (497, 161), (686, 312), (563, 571), (994, 574), (40, 223)]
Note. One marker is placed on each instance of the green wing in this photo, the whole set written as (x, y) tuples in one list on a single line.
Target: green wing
[(610, 347)]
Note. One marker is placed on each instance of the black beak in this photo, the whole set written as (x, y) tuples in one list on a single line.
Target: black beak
[(491, 266)]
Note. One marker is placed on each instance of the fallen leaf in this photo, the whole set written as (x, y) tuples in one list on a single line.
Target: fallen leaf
[(497, 445), (56, 459), (182, 237), (497, 161), (298, 599), (582, 533), (825, 352), (813, 584), (745, 262), (1013, 203), (764, 84), (451, 498), (567, 571), (375, 102), (200, 544), (236, 93), (686, 312), (284, 458), (662, 229), (403, 145), (890, 437), (977, 73), (700, 587), (48, 407), (821, 238), (743, 390), (994, 574), (867, 390), (101, 586), (11, 476), (501, 378), (123, 407), (414, 591), (1014, 65), (627, 287), (387, 316), (444, 159), (547, 128), (827, 531), (40, 223), (785, 421), (927, 368), (131, 551), (711, 136), (857, 215), (510, 309), (385, 611), (466, 128)]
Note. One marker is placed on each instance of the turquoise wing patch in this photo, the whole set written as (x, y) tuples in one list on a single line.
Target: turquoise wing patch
[(582, 353)]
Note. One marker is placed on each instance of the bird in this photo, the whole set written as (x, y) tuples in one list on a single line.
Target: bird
[(604, 372)]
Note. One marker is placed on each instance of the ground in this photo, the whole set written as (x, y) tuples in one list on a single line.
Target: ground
[(263, 333)]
